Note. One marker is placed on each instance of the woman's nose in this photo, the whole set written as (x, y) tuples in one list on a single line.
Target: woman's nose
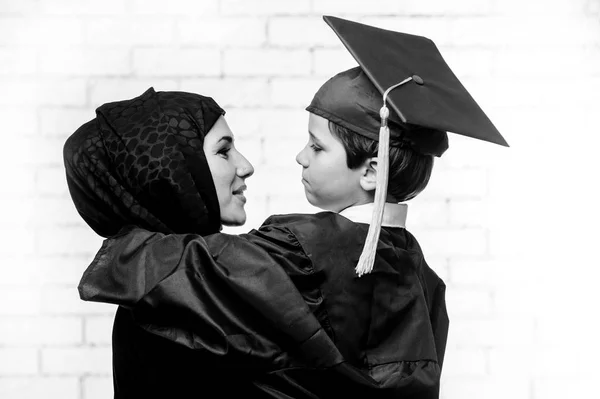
[(245, 168)]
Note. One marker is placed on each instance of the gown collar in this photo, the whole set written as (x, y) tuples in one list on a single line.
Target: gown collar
[(394, 215)]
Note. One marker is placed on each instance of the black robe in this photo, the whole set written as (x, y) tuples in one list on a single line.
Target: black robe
[(278, 312)]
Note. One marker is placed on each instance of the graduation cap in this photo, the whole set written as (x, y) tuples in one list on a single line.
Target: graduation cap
[(409, 74)]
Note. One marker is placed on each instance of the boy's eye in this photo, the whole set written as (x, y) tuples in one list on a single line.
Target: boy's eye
[(315, 148)]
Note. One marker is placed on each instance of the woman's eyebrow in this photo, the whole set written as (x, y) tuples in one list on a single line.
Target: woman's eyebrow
[(228, 139)]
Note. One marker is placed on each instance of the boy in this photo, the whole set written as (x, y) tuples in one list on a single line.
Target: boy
[(379, 307)]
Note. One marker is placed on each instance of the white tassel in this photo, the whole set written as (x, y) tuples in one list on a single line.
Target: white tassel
[(367, 258)]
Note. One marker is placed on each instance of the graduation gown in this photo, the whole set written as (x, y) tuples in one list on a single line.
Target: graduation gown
[(278, 312)]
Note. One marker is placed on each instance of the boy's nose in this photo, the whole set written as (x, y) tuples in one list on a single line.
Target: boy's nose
[(301, 158)]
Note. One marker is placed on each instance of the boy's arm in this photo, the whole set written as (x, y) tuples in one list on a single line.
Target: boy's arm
[(233, 298)]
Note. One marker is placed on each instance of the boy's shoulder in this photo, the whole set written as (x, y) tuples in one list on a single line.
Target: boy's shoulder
[(301, 221)]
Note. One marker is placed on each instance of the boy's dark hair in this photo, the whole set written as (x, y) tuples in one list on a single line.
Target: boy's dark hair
[(409, 171)]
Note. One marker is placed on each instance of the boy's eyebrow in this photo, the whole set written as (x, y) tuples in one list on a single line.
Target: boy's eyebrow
[(314, 137)]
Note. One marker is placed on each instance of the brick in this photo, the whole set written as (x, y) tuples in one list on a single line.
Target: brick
[(74, 7), (300, 31), (549, 31), (465, 362), (18, 61), (564, 387), (45, 151), (458, 183), (39, 387), (85, 61), (464, 152), (62, 122), (344, 8), (231, 92), (427, 213), (65, 92), (223, 32), (511, 242), (24, 245), (444, 9), (19, 184), (81, 241), (176, 62), (565, 9), (74, 361), (61, 270), (19, 121), (271, 124), (176, 7), (266, 62), (19, 270), (127, 31), (264, 7), (54, 212), (98, 330), (21, 7), (468, 302), (329, 62), (468, 213), (501, 332), (17, 211), (542, 62), (551, 330), (552, 361), (279, 181), (297, 92), (51, 181), (17, 92), (15, 300), (467, 62), (486, 387), (18, 361), (97, 387), (453, 242), (16, 331), (499, 272), (109, 90), (65, 301), (40, 30), (286, 154)]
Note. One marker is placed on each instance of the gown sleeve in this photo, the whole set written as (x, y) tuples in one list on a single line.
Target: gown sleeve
[(225, 294)]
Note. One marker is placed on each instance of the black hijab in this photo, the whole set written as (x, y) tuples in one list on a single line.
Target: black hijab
[(141, 162)]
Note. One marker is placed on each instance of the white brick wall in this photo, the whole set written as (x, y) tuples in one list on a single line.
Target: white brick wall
[(512, 231)]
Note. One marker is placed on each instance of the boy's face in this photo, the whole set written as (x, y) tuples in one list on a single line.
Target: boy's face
[(328, 182)]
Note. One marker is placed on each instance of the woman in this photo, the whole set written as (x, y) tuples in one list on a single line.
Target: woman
[(166, 161)]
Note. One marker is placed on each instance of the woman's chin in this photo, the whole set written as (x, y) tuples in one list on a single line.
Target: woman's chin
[(234, 220)]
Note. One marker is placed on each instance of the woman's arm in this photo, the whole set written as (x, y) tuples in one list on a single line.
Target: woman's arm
[(233, 299)]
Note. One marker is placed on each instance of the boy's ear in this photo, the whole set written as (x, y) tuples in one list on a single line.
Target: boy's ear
[(368, 179)]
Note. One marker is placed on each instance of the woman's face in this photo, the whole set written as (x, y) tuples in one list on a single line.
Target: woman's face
[(229, 170)]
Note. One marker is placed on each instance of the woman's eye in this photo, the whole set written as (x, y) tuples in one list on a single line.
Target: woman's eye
[(315, 148), (224, 152)]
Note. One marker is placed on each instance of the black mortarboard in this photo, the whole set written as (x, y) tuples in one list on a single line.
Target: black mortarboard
[(426, 98), (432, 102)]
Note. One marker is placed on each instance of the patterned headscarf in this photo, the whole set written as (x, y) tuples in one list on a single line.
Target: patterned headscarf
[(140, 162)]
